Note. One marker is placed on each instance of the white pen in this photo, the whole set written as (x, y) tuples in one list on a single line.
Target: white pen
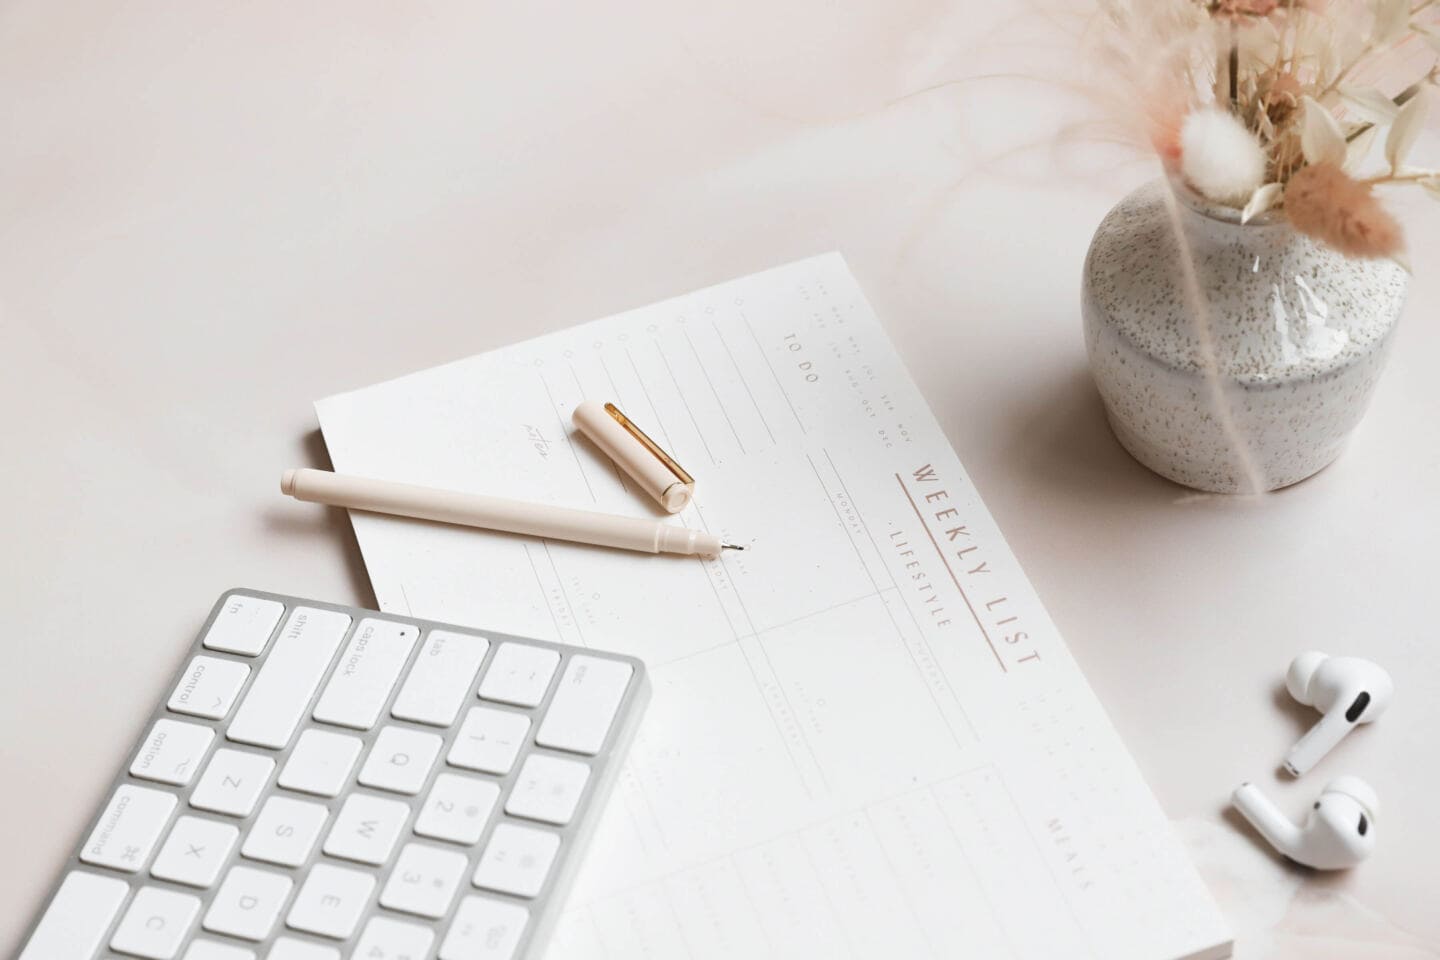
[(497, 513)]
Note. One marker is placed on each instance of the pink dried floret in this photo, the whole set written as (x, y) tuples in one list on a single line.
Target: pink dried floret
[(1324, 202)]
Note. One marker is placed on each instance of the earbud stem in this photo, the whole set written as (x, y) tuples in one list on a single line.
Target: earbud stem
[(1273, 825), (1318, 741)]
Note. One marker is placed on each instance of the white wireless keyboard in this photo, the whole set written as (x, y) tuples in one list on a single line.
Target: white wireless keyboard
[(327, 783)]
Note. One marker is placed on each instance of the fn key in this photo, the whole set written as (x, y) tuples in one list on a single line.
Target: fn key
[(584, 704)]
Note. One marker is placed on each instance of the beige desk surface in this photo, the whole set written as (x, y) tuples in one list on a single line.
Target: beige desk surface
[(212, 214)]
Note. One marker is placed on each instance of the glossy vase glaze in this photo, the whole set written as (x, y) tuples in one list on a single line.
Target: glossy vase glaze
[(1243, 366)]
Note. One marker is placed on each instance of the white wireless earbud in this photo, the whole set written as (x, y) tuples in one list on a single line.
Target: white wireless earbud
[(1338, 833), (1348, 690)]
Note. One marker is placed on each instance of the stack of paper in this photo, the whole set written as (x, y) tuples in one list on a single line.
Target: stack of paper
[(867, 739)]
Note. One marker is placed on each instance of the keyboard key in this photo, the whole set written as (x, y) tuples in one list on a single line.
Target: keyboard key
[(366, 829), (366, 673), (77, 918), (386, 939), (331, 901), (440, 680), (210, 950), (547, 789), (457, 808), (519, 674), (129, 828), (172, 752), (209, 687), (320, 763), (247, 904), (288, 948), (244, 625), (424, 880), (288, 678), (285, 831), (584, 704), (195, 851), (484, 929), (156, 924), (489, 740), (401, 760), (232, 782), (516, 860)]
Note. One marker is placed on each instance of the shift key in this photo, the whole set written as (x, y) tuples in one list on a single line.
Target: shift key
[(287, 681)]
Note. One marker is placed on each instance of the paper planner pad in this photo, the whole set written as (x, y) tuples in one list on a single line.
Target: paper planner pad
[(867, 739)]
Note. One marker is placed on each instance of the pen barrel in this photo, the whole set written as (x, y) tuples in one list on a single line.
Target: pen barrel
[(496, 513)]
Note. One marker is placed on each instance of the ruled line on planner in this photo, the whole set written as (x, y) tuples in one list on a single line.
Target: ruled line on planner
[(705, 371), (1041, 858), (770, 664), (899, 884), (544, 597), (654, 411), (619, 398), (684, 401), (778, 385), (910, 653), (755, 678), (944, 813), (927, 789), (573, 452), (560, 582), (744, 381), (919, 631)]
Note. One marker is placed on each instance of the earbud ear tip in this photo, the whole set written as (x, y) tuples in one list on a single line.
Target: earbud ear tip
[(1357, 790), (1302, 668)]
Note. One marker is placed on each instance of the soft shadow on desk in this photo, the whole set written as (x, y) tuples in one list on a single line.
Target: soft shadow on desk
[(1313, 879), (330, 523), (1064, 442), (1240, 825)]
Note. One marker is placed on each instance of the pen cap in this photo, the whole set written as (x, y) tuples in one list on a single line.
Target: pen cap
[(635, 453)]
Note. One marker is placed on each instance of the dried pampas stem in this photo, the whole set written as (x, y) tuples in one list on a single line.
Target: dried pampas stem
[(1210, 365)]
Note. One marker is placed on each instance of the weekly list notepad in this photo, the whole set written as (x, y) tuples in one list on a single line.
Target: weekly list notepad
[(867, 739)]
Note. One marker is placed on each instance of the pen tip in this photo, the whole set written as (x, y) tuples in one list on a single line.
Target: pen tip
[(730, 546)]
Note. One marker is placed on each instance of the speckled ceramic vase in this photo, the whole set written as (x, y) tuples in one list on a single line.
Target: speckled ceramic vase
[(1243, 366)]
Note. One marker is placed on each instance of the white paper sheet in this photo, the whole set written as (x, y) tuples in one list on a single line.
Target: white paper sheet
[(866, 739)]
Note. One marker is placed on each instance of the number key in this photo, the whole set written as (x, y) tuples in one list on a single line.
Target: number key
[(457, 809)]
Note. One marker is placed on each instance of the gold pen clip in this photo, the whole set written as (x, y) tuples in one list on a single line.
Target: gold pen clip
[(647, 464), (655, 449)]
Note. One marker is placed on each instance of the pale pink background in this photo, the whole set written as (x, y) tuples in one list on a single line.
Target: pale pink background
[(212, 213)]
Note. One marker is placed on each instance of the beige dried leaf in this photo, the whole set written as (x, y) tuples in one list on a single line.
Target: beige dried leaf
[(1370, 104), (1392, 21), (1261, 200), (1321, 138), (1359, 149), (1406, 130)]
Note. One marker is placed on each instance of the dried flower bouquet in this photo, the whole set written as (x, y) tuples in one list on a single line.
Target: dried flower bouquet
[(1277, 104)]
